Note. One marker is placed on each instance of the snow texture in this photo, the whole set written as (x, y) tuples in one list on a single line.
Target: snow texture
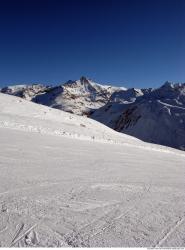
[(69, 181)]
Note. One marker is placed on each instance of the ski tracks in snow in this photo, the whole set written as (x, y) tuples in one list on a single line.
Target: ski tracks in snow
[(101, 224), (169, 232), (135, 202)]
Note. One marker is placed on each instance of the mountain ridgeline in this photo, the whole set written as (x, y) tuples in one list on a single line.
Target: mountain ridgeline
[(152, 115)]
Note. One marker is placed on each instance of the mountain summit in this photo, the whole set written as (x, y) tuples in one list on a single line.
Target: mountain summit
[(80, 97)]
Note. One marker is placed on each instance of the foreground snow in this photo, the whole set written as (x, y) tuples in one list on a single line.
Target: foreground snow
[(89, 186)]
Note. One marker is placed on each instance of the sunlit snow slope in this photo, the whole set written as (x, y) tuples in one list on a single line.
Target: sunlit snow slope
[(70, 181)]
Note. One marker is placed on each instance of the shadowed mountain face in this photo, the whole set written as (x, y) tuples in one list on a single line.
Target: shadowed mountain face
[(157, 116), (152, 115)]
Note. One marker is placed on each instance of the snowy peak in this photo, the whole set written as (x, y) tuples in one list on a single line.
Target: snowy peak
[(177, 87), (126, 96), (172, 85), (84, 80), (25, 91), (81, 96), (81, 86), (170, 93), (168, 84), (86, 85)]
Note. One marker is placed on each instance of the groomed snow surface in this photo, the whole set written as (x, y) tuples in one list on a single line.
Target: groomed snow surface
[(67, 180)]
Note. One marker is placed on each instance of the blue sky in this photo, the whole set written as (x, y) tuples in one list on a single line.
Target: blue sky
[(134, 43)]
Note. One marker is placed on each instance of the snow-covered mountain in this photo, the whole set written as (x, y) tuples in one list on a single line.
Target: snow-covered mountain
[(25, 91), (158, 116), (70, 181), (80, 97), (153, 115), (126, 95)]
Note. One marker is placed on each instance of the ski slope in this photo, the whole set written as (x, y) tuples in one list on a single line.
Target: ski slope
[(67, 180)]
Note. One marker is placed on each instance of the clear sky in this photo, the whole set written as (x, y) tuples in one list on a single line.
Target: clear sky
[(134, 43)]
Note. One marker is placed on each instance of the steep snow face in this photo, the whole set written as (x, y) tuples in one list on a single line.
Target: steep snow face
[(79, 97), (155, 122), (25, 91), (157, 117)]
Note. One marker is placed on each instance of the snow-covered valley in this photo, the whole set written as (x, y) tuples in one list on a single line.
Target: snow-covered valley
[(67, 180)]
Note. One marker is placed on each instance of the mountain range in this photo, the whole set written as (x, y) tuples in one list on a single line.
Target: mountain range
[(152, 115)]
